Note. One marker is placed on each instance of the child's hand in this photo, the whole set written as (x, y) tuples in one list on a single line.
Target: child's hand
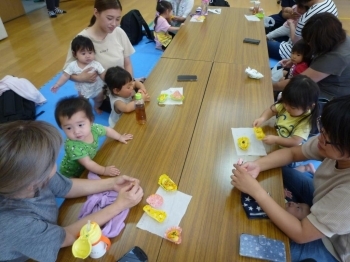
[(146, 97), (55, 88), (257, 122), (111, 171), (125, 137), (270, 139), (286, 63), (243, 181)]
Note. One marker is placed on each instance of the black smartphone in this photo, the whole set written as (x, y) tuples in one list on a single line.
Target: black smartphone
[(251, 41), (183, 78), (136, 254)]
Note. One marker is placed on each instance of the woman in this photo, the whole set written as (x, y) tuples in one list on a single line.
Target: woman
[(325, 233), (29, 185), (330, 47), (283, 50), (112, 45), (181, 9)]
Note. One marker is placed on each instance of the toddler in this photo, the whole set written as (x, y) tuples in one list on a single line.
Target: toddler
[(284, 30), (296, 112), (162, 28), (83, 51), (74, 115), (300, 58), (122, 89)]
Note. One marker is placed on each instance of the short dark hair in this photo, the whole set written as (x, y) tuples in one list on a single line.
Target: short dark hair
[(68, 106), (302, 2), (117, 77), (301, 47), (323, 32), (336, 122), (302, 92), (82, 43)]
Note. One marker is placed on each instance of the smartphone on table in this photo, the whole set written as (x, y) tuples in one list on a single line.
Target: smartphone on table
[(136, 254)]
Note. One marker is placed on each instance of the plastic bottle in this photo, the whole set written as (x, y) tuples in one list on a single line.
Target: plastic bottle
[(204, 7), (140, 109)]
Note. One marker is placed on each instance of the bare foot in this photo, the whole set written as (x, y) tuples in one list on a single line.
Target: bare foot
[(310, 168), (307, 168), (98, 111)]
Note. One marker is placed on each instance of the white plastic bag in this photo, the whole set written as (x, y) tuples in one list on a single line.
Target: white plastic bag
[(276, 74)]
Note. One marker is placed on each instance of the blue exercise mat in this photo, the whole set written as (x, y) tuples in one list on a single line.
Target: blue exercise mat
[(143, 61)]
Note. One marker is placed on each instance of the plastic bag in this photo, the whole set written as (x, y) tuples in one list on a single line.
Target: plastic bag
[(269, 21), (276, 74)]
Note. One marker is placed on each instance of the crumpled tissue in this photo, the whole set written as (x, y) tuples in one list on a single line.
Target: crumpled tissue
[(252, 73)]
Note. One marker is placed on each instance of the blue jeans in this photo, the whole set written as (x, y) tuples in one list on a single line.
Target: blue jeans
[(273, 48), (302, 188), (315, 250)]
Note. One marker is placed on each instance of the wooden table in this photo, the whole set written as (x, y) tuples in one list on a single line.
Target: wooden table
[(193, 144), (197, 41), (160, 146)]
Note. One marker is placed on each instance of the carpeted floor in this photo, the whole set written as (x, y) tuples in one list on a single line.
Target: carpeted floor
[(143, 60)]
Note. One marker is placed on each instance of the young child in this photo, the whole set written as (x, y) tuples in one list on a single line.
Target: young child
[(162, 28), (296, 112), (74, 115), (84, 52), (29, 185), (284, 30), (300, 58), (122, 89)]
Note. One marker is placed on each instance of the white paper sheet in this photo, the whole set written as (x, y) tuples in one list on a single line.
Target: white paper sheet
[(215, 11), (256, 147), (169, 91), (175, 205), (252, 18)]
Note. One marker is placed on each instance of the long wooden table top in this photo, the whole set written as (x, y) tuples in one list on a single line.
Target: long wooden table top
[(196, 40), (231, 48), (158, 147), (215, 218)]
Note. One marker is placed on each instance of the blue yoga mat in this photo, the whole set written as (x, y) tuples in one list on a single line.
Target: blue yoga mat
[(143, 61)]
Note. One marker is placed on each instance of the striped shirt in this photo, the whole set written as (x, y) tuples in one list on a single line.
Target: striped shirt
[(326, 6)]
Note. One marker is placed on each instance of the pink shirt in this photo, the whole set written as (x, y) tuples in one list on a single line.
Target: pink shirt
[(162, 28)]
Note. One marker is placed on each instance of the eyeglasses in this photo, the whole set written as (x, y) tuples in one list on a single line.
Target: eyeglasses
[(320, 128)]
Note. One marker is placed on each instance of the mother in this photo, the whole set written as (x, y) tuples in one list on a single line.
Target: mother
[(325, 233), (330, 47), (112, 45)]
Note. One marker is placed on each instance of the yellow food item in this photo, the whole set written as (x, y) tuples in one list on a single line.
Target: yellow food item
[(162, 97), (259, 133), (165, 182), (243, 143), (158, 215)]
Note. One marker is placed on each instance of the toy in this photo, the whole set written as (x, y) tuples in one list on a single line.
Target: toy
[(158, 215), (243, 143), (173, 234), (176, 96), (165, 182), (259, 133)]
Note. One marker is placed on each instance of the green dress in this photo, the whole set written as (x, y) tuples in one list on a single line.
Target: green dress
[(70, 167)]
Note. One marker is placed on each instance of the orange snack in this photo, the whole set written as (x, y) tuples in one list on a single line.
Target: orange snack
[(173, 234)]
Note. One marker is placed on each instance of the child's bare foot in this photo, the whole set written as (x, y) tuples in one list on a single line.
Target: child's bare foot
[(98, 111), (307, 168)]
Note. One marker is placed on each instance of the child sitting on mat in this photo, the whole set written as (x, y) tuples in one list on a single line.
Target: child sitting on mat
[(74, 115), (122, 89), (84, 52), (29, 184), (162, 29)]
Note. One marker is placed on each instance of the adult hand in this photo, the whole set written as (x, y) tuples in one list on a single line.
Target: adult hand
[(129, 195), (111, 171), (257, 122), (243, 181), (286, 63), (123, 181), (88, 75), (295, 16), (270, 139), (252, 168), (125, 137), (290, 22)]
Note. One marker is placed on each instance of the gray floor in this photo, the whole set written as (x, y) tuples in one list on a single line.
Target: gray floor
[(30, 5)]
